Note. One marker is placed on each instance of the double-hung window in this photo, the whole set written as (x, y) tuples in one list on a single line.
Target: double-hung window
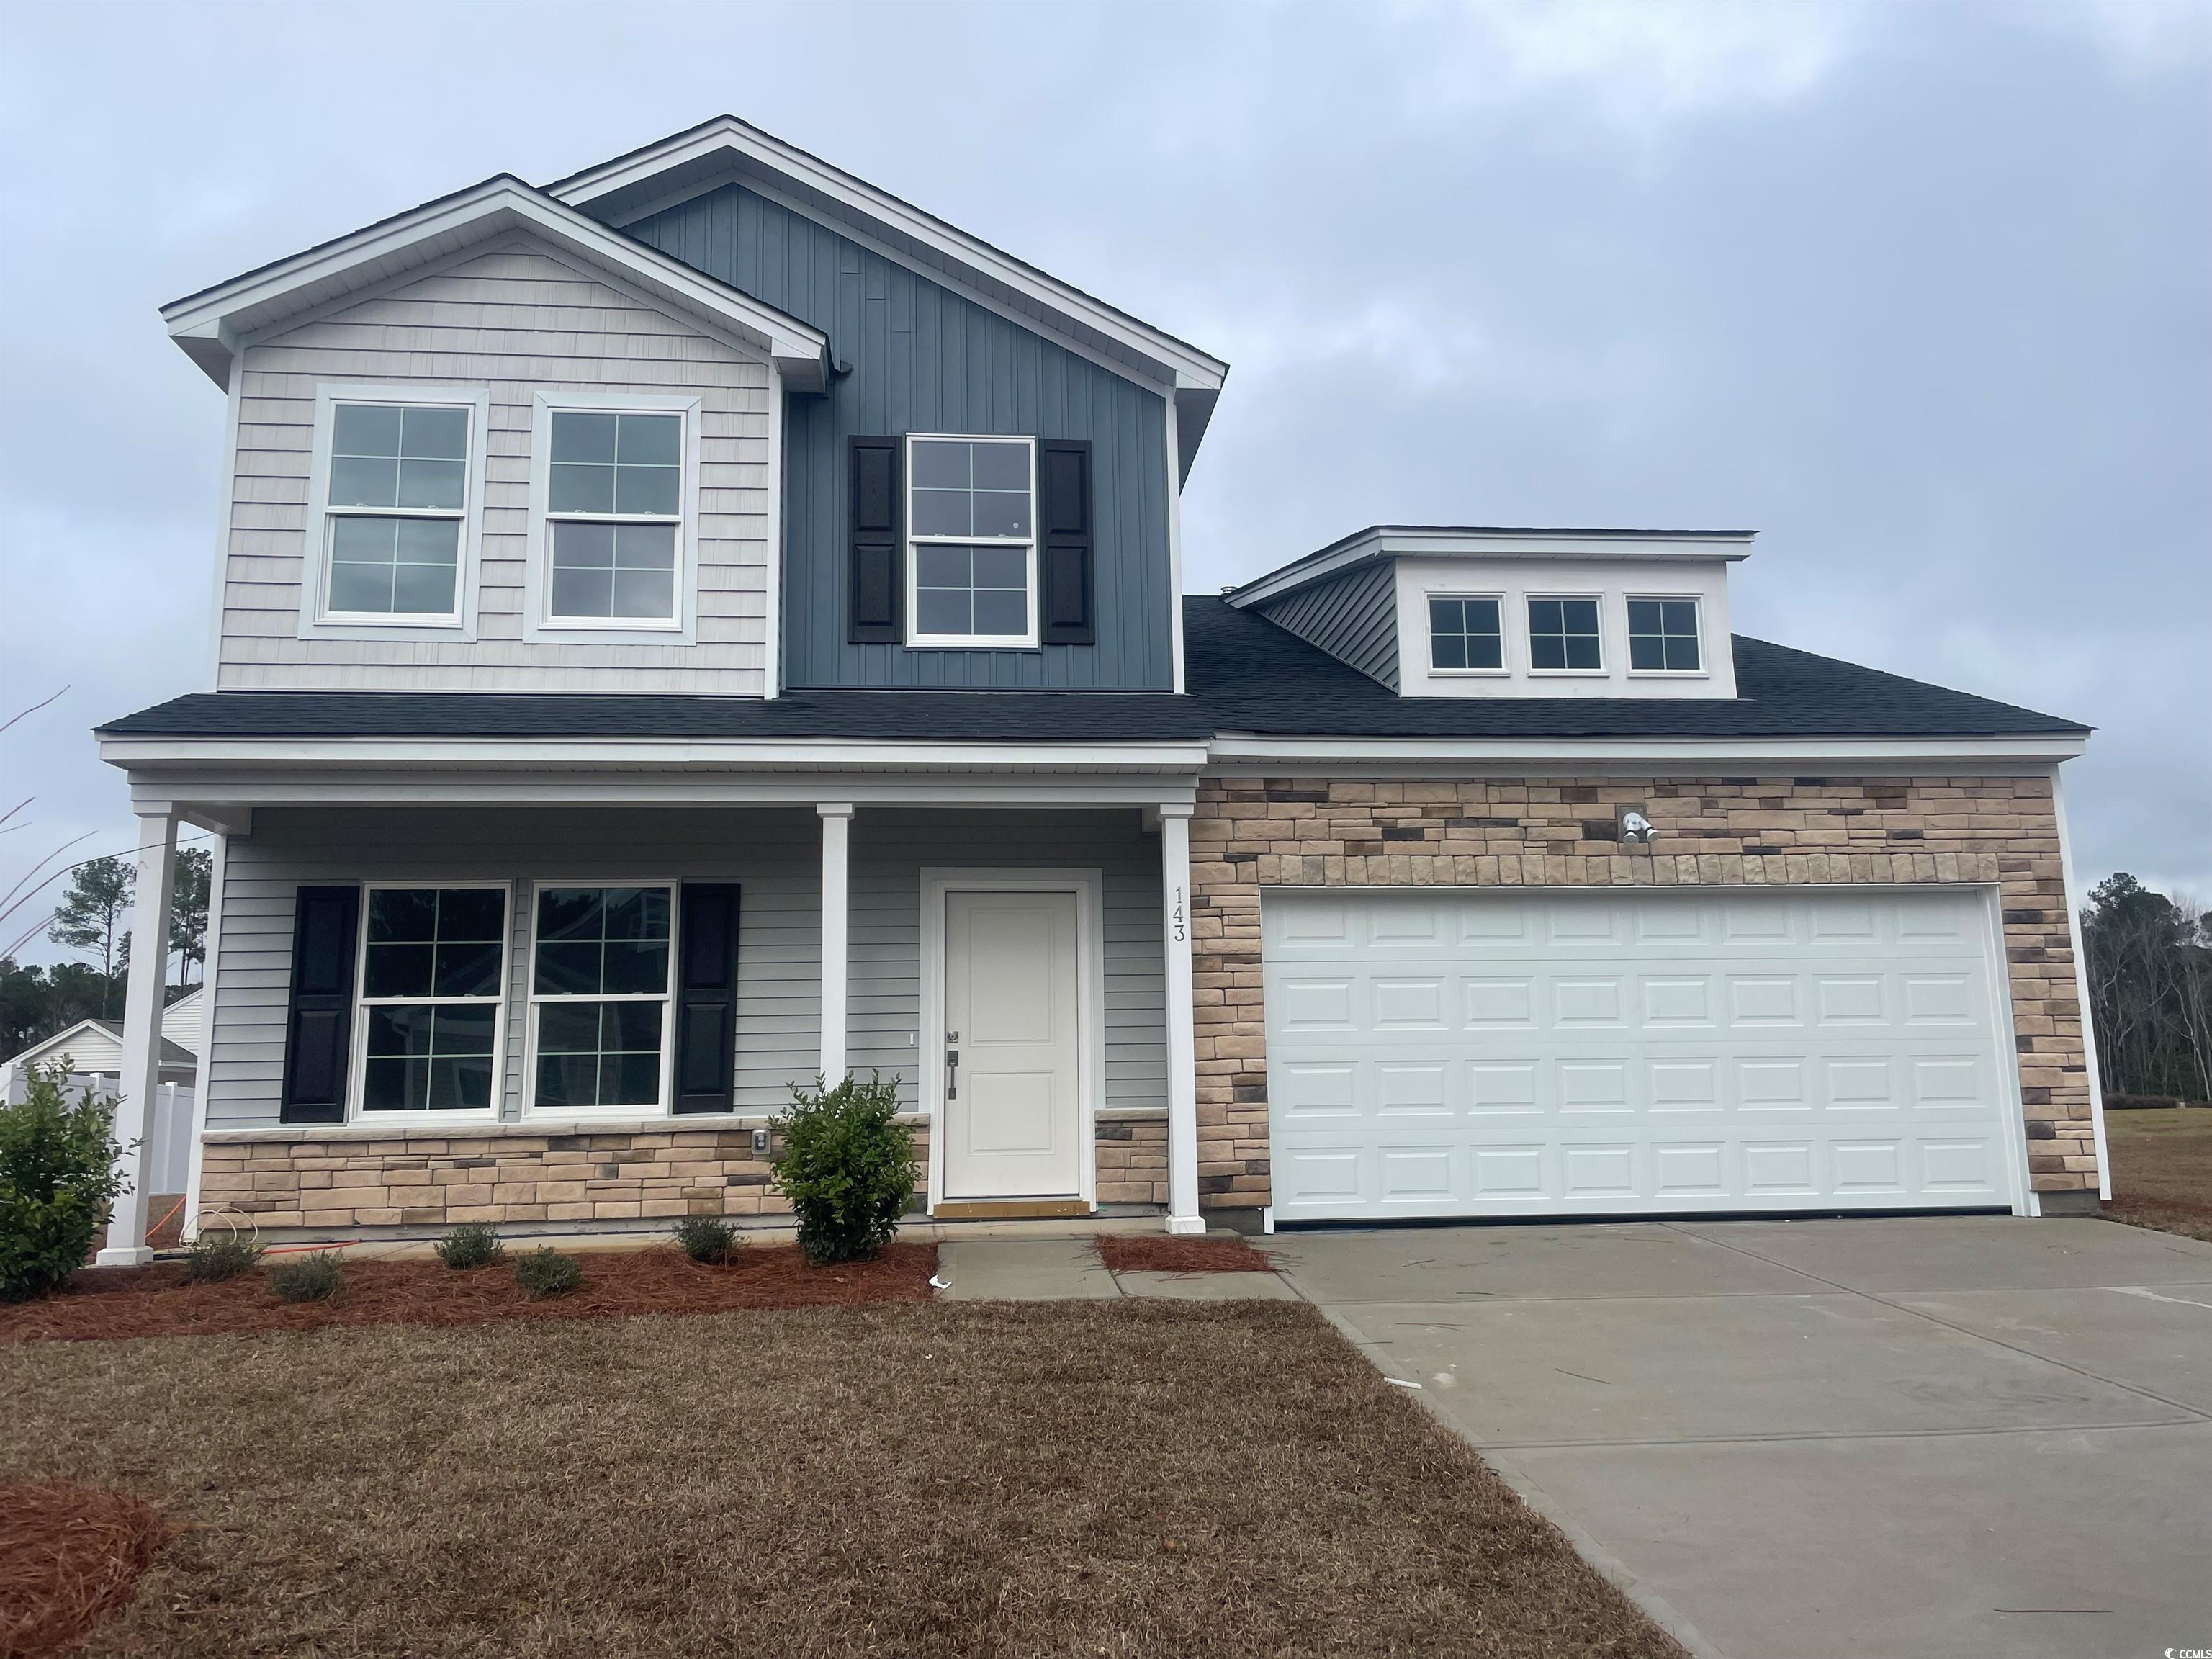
[(600, 974), (433, 968), (1464, 635), (971, 535), (1563, 636), (1662, 637), (613, 533), (395, 498)]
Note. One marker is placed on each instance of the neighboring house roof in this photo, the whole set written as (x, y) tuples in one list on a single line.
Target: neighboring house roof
[(107, 1036), (211, 324), (724, 149), (1246, 676)]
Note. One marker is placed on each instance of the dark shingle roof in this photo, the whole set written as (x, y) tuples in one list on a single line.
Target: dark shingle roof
[(1257, 678), (1246, 676)]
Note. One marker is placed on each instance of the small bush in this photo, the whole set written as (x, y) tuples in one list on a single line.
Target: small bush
[(848, 1167), (57, 1183), (215, 1257), (706, 1238), (317, 1278), (471, 1244), (546, 1272)]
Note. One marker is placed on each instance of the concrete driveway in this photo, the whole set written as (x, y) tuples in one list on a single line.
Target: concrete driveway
[(1926, 1438)]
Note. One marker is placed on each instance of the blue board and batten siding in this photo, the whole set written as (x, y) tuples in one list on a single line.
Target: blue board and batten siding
[(1354, 619), (924, 359)]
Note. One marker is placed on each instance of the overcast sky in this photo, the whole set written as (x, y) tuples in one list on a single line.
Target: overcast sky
[(1923, 294)]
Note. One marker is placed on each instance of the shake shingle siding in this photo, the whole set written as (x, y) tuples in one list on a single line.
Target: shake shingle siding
[(518, 321)]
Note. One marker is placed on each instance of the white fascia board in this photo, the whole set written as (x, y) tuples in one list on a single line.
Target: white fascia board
[(802, 754), (241, 792), (209, 325), (1412, 541), (1571, 754), (752, 150)]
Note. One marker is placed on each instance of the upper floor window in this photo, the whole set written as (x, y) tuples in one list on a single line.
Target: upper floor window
[(1663, 636), (1563, 636), (615, 504), (971, 519), (1464, 634), (614, 488), (395, 509)]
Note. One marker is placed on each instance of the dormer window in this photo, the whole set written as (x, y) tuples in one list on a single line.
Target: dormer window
[(1464, 635), (971, 535), (1662, 637), (1563, 636)]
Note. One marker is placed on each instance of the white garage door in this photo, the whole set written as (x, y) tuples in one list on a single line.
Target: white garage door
[(1453, 1051)]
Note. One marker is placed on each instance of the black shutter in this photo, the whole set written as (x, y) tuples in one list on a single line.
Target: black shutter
[(1067, 615), (325, 922), (875, 542), (707, 999)]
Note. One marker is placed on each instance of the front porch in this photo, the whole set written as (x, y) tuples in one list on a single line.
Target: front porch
[(1015, 953)]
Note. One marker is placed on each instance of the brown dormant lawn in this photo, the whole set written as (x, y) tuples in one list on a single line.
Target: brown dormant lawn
[(1122, 1478), (2162, 1169)]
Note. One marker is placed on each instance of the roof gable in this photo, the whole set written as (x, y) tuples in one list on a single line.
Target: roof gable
[(725, 150), (212, 325)]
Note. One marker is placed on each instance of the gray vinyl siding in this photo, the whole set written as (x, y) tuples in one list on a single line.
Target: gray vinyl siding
[(924, 359), (518, 321), (1353, 618), (775, 857)]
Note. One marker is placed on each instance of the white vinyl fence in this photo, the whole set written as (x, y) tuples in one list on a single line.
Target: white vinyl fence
[(169, 1135)]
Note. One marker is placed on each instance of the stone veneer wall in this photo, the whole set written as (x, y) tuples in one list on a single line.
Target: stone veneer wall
[(354, 1179), (1254, 833)]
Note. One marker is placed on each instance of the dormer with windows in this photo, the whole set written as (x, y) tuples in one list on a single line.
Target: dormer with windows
[(1435, 612)]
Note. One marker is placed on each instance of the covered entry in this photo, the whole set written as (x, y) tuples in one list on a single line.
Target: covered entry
[(1534, 1052)]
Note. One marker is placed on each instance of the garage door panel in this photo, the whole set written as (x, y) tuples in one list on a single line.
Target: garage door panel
[(1456, 1052)]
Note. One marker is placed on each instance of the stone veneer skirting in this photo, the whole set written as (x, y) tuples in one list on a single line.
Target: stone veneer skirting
[(1250, 834), (368, 1178)]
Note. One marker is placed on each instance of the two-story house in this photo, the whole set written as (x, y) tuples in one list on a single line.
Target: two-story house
[(705, 624)]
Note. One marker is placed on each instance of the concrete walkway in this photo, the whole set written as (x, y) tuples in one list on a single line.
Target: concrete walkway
[(1047, 1269), (1929, 1436)]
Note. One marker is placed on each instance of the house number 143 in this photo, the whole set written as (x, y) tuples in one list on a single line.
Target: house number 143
[(1175, 916)]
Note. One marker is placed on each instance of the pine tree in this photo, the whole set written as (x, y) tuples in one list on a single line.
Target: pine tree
[(188, 911), (90, 915)]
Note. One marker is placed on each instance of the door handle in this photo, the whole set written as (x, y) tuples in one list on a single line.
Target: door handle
[(952, 1066)]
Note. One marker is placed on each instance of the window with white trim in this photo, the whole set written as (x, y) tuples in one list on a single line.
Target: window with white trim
[(1563, 636), (395, 494), (971, 541), (1662, 637), (1465, 634), (432, 984), (614, 517), (599, 991)]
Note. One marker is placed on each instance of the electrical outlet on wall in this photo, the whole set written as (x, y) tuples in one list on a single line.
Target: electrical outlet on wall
[(760, 1143)]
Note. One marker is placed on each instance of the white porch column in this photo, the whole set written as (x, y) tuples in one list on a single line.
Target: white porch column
[(211, 967), (1183, 1041), (836, 905), (142, 1033)]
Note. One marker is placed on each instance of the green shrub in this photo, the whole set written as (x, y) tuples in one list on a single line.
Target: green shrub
[(57, 1183), (706, 1238), (215, 1257), (847, 1166), (546, 1272), (471, 1244), (316, 1277)]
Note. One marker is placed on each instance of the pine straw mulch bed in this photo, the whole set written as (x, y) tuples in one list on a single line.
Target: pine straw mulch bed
[(157, 1301), (1127, 1479), (1157, 1253), (2161, 1170), (68, 1555)]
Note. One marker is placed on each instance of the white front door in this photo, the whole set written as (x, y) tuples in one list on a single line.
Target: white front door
[(1012, 1046)]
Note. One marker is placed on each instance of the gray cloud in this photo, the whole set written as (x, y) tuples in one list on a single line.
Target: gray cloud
[(1920, 292)]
